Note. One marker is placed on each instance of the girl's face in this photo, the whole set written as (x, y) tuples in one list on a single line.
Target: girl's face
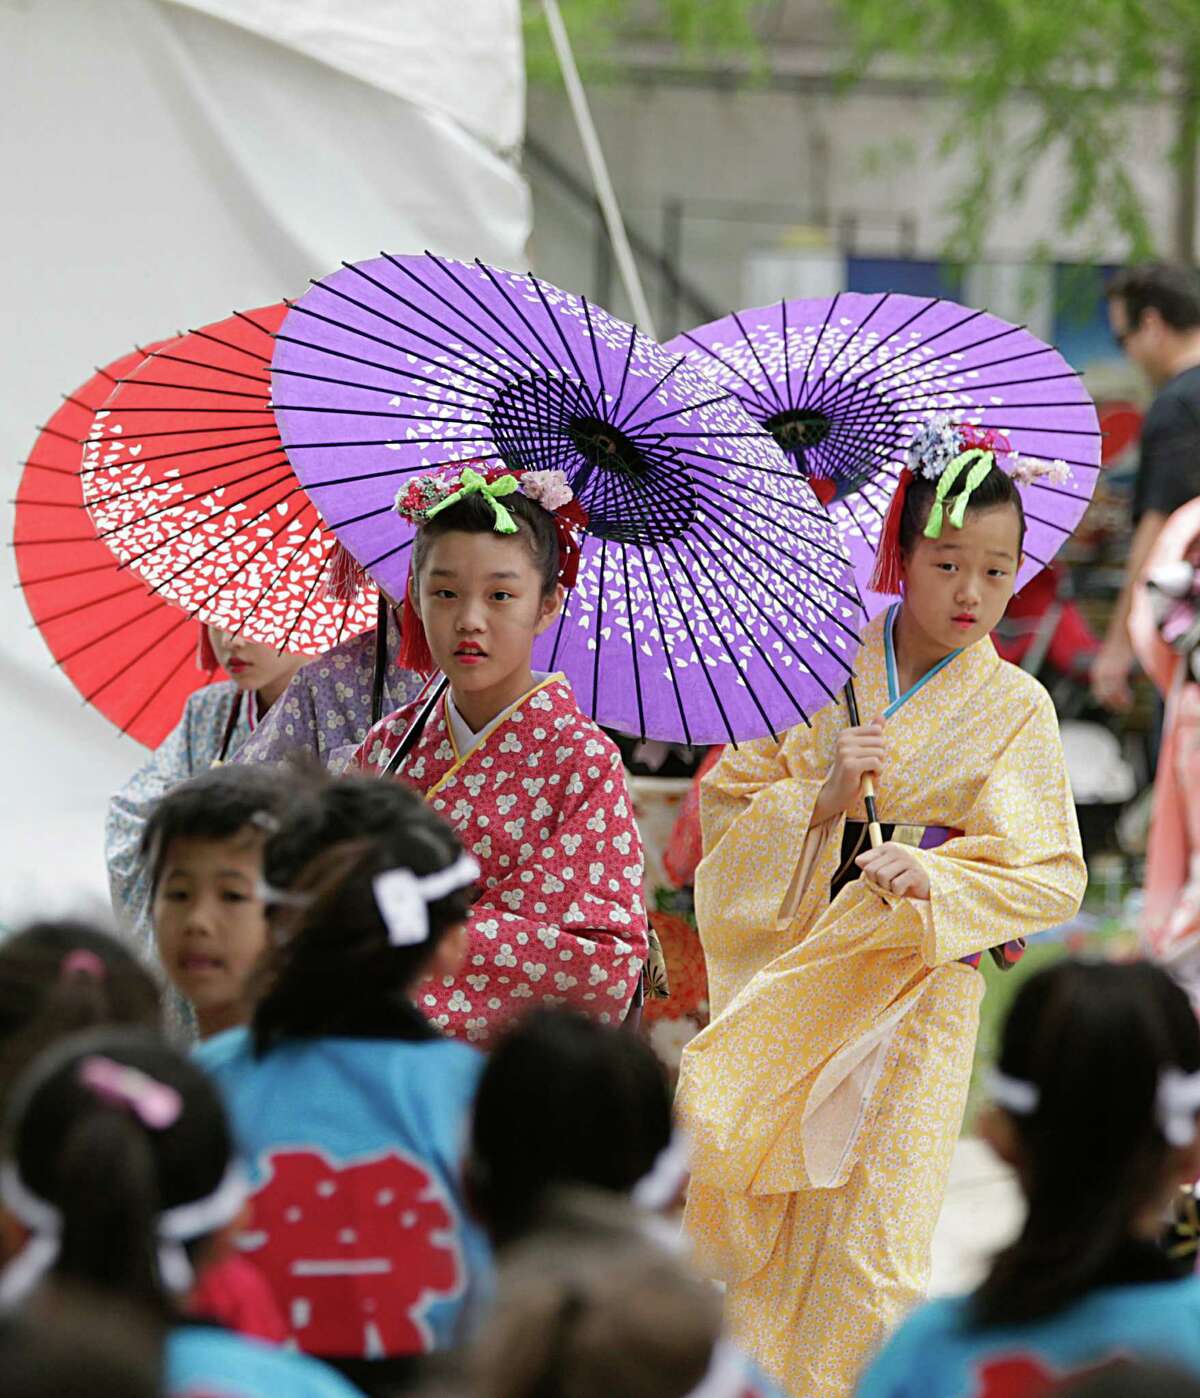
[(210, 923), (480, 599), (957, 587), (252, 666)]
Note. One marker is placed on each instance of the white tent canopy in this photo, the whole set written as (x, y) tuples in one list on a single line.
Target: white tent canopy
[(461, 59), (164, 163)]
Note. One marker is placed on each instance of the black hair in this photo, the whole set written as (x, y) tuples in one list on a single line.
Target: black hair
[(216, 805), (334, 970), (325, 811), (1127, 1377), (996, 488), (111, 1353), (44, 997), (1170, 289), (563, 1100), (1130, 1378), (107, 1174), (590, 1306), (1094, 1040), (473, 514)]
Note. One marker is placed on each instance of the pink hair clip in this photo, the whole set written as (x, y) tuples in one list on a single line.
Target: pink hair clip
[(83, 963), (155, 1104)]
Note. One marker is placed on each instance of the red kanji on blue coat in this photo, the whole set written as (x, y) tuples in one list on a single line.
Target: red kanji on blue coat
[(355, 1251)]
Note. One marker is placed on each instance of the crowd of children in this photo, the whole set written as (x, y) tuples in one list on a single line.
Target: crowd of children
[(418, 1145), (334, 1198)]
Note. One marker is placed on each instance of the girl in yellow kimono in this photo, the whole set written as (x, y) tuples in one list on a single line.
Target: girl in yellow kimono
[(825, 1099)]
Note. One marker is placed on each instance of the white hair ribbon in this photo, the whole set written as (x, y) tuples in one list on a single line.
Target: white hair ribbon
[(727, 1375), (1176, 1102), (280, 897), (1176, 1105), (185, 1222), (664, 1182), (1013, 1094), (41, 1251), (403, 898)]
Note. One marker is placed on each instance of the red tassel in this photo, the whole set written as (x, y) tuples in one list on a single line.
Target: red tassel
[(568, 519), (886, 579), (414, 646), (206, 657), (345, 577)]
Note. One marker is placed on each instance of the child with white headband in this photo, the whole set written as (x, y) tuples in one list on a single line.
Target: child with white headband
[(564, 1101), (349, 1107), (592, 1305), (120, 1177), (1094, 1104)]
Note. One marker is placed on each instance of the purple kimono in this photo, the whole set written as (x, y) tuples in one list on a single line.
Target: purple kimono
[(326, 710)]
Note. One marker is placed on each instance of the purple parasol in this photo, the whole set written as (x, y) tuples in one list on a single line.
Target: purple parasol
[(844, 382), (713, 601)]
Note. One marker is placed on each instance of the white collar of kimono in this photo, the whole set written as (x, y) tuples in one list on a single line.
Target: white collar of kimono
[(897, 700), (465, 738)]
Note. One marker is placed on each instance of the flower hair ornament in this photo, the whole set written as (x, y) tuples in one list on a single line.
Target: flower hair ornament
[(157, 1106), (958, 456), (426, 497), (1176, 1102)]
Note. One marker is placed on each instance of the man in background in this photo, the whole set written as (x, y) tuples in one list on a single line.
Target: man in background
[(1154, 312)]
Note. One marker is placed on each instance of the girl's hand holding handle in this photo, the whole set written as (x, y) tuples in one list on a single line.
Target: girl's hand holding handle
[(895, 868), (859, 753)]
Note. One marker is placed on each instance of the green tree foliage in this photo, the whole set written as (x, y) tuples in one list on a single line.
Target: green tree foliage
[(1033, 79), (702, 29), (1030, 81)]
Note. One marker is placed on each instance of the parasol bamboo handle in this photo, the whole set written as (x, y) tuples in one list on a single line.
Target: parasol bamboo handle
[(873, 829), (868, 785)]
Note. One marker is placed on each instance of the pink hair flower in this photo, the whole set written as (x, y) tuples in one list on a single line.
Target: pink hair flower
[(548, 488), (1027, 469)]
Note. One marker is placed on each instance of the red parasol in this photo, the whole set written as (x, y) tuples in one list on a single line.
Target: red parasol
[(186, 481), (123, 648)]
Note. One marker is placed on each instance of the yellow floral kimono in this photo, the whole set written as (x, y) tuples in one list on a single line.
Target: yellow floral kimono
[(824, 1100)]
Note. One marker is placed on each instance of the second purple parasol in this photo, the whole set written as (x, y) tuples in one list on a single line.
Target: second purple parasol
[(844, 382)]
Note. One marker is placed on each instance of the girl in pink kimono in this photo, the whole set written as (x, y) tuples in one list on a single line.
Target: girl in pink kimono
[(532, 787)]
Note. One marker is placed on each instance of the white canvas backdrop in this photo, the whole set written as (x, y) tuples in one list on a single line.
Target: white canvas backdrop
[(161, 166)]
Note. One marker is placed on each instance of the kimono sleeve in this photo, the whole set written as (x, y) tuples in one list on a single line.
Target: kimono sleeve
[(1019, 870), (565, 926), (290, 726), (372, 754), (173, 761), (766, 869)]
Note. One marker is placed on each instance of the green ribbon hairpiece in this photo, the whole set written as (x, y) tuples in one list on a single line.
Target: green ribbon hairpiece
[(472, 483), (980, 462)]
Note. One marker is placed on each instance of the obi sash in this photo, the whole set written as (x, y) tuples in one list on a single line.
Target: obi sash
[(856, 838)]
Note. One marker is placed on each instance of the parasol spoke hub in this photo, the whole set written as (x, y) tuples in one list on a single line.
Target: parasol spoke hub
[(607, 447), (635, 491), (800, 433), (797, 428)]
